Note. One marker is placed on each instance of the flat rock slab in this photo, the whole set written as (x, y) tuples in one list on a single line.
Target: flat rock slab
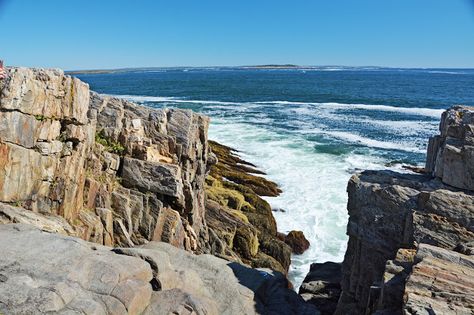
[(43, 272)]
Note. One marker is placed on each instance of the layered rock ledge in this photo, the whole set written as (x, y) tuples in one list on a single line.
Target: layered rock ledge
[(241, 224), (113, 172), (411, 236)]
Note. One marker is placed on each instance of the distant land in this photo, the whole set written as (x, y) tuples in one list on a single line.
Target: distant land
[(253, 67), (269, 66)]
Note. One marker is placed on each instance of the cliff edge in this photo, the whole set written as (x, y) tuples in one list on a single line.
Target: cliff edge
[(411, 236)]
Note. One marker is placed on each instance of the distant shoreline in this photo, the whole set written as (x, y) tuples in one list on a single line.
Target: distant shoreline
[(254, 67)]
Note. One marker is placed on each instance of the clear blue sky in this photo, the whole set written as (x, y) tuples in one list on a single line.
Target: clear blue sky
[(92, 34)]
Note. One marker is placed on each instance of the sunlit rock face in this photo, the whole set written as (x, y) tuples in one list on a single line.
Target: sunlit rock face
[(430, 216), (110, 168)]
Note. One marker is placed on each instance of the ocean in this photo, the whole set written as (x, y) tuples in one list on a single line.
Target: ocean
[(308, 129)]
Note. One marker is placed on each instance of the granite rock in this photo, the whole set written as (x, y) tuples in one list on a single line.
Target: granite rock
[(393, 215), (451, 153), (157, 278)]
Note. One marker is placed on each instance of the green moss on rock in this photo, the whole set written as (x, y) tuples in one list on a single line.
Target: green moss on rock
[(237, 213)]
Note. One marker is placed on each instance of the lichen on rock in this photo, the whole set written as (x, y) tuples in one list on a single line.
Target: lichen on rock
[(234, 190)]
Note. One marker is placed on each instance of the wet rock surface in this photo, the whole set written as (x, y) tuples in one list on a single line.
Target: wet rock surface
[(297, 241), (241, 222)]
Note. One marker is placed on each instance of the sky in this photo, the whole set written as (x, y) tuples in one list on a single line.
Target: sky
[(106, 34)]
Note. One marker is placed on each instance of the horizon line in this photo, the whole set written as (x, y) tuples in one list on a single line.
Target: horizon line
[(257, 66)]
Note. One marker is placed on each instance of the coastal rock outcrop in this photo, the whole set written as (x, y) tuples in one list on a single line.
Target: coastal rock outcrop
[(297, 241), (241, 223), (81, 173), (86, 278), (395, 218), (116, 172)]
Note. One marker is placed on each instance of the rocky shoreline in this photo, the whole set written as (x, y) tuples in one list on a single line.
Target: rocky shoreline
[(121, 175), (111, 207), (411, 236)]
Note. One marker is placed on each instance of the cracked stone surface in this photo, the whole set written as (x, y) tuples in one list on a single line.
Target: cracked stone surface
[(43, 272)]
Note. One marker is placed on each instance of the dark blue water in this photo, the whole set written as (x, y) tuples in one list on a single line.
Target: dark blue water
[(308, 129)]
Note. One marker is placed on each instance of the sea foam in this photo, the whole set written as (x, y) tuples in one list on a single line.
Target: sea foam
[(311, 149), (430, 112)]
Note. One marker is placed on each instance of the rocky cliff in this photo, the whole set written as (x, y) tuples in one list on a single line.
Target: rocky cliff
[(116, 173), (78, 165), (411, 236), (105, 169)]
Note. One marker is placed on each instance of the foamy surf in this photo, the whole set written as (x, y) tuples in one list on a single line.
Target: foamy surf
[(311, 149), (418, 111), (314, 196)]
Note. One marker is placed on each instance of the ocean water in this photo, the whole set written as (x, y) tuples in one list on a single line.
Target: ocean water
[(308, 129)]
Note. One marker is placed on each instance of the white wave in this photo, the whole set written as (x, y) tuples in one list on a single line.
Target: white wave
[(162, 99), (420, 111), (354, 138), (446, 72), (313, 187)]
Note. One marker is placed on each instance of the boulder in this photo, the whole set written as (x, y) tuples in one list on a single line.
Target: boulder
[(297, 241), (156, 177)]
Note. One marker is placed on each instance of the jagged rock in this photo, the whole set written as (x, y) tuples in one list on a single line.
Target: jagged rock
[(442, 282), (64, 151), (388, 297), (43, 112), (169, 228), (239, 171), (153, 177), (157, 279), (238, 235), (241, 222), (389, 211), (297, 241), (322, 286), (451, 154), (66, 98), (166, 154)]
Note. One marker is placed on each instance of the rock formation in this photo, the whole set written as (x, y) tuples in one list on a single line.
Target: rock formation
[(118, 173), (410, 234), (296, 240), (322, 286), (42, 272), (241, 224), (79, 165)]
